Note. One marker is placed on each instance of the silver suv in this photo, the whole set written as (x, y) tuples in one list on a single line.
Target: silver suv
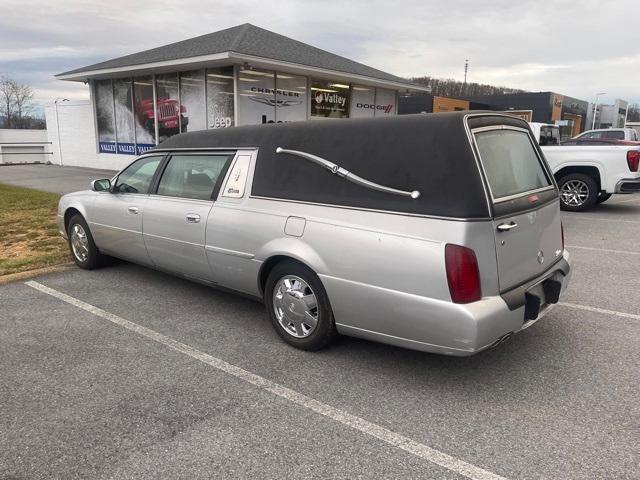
[(436, 232)]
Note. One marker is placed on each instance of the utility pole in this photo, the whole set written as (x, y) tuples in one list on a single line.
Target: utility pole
[(466, 69), (55, 104), (595, 110)]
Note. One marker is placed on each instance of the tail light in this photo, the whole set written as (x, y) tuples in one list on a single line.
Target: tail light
[(463, 275), (633, 160), (562, 233)]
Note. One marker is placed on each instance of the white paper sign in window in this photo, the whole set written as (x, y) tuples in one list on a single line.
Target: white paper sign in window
[(237, 178)]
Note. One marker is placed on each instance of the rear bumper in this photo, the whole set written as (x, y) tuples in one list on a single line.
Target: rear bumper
[(628, 185), (431, 325)]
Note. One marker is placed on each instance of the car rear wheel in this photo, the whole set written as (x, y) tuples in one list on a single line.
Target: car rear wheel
[(83, 248), (578, 192), (299, 306)]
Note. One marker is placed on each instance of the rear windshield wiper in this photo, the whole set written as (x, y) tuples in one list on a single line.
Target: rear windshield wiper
[(347, 175)]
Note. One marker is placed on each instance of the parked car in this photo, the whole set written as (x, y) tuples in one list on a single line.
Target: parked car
[(435, 232), (589, 170), (598, 141), (628, 134)]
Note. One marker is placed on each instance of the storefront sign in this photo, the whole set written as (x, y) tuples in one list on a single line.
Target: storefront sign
[(329, 99), (107, 147), (370, 102)]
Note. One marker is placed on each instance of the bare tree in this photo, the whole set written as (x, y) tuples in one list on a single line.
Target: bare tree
[(22, 96), (16, 105), (7, 99)]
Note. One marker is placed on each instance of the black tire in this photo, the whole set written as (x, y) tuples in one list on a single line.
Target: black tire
[(603, 197), (94, 259), (592, 192), (325, 330)]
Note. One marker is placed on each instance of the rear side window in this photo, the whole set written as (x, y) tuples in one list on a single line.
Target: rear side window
[(617, 134), (549, 135), (510, 162), (192, 176)]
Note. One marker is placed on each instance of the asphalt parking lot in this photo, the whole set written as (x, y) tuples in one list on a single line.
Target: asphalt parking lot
[(51, 178), (126, 372)]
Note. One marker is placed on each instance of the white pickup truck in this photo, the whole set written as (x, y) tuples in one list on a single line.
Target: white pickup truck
[(586, 174)]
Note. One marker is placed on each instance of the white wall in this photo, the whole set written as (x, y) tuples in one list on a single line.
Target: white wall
[(75, 122), (14, 141)]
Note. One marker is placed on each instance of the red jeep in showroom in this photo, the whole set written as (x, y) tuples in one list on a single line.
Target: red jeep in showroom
[(170, 117)]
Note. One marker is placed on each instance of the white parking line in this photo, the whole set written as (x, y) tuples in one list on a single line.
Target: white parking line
[(626, 252), (635, 199), (599, 310), (600, 219), (395, 439)]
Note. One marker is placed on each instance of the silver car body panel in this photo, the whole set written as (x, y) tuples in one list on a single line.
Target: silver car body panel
[(384, 273)]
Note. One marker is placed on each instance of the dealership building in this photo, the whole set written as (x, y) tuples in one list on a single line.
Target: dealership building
[(243, 75), (569, 113)]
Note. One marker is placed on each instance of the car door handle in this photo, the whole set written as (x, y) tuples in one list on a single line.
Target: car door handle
[(133, 210), (193, 218), (505, 227)]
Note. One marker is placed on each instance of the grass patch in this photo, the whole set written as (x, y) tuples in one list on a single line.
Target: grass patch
[(29, 236)]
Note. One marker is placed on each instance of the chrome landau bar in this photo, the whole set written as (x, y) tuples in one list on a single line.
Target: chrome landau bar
[(347, 175)]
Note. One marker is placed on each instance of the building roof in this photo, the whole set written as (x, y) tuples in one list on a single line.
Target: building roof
[(241, 40)]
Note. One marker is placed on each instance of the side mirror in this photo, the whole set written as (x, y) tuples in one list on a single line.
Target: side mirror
[(102, 185)]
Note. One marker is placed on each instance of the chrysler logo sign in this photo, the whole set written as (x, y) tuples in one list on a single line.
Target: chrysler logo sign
[(370, 106)]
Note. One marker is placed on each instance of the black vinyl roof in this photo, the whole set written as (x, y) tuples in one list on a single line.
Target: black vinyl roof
[(426, 152), (249, 40)]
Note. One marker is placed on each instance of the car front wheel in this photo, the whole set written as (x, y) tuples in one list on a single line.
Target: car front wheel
[(83, 248), (299, 306), (578, 192)]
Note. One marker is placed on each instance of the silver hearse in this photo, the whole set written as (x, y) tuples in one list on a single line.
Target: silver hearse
[(433, 232)]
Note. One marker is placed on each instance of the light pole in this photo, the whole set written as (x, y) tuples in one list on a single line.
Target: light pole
[(55, 104), (595, 110)]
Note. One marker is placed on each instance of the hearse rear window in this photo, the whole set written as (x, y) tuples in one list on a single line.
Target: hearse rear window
[(510, 162)]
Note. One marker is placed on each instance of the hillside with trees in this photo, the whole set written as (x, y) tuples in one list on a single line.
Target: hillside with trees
[(456, 89)]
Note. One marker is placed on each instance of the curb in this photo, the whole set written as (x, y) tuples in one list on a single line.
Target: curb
[(14, 277)]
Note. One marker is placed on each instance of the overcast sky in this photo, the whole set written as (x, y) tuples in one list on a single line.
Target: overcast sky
[(576, 48)]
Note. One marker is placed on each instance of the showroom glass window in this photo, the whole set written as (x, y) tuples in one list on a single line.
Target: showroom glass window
[(329, 99), (170, 115), (386, 102), (290, 97), (256, 97), (220, 97), (105, 119), (144, 114), (363, 101), (193, 100), (123, 103), (192, 176)]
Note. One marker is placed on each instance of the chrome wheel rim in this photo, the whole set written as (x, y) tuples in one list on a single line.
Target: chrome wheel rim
[(295, 306), (79, 243), (574, 193)]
